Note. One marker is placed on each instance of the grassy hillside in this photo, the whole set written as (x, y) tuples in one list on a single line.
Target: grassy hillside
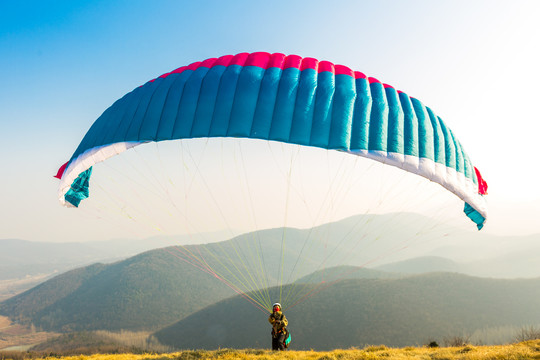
[(147, 291), (395, 312), (519, 351), (100, 341)]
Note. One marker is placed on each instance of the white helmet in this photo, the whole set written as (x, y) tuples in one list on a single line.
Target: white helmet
[(277, 304)]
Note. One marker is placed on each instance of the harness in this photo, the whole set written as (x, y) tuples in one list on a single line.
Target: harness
[(278, 318), (284, 330)]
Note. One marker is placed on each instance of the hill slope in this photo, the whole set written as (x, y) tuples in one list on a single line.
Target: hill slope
[(157, 288), (394, 312), (147, 291), (160, 287)]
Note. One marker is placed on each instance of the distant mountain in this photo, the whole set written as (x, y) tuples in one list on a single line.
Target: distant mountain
[(339, 273), (519, 264), (422, 265), (363, 240), (130, 247), (358, 312), (522, 262), (464, 246), (21, 258)]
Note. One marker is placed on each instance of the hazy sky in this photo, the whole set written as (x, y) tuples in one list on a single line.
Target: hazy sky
[(62, 63)]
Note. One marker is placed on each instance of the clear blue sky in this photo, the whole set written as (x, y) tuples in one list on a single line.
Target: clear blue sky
[(62, 63)]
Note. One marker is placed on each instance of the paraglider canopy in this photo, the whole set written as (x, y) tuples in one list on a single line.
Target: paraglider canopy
[(287, 99)]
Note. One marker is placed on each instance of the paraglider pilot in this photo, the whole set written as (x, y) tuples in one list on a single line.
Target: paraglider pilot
[(279, 328)]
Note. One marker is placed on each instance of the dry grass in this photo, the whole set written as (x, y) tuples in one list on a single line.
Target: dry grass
[(520, 351), (140, 340)]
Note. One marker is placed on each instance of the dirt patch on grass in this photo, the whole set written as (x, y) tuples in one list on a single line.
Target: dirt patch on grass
[(12, 334), (14, 330), (4, 322)]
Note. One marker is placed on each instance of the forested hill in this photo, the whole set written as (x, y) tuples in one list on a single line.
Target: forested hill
[(160, 287), (155, 288), (146, 291), (356, 312)]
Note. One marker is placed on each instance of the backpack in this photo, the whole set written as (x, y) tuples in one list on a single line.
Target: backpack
[(287, 340)]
